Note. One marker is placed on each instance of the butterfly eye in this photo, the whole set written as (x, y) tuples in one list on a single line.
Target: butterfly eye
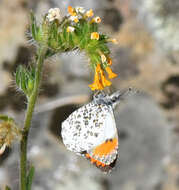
[(113, 100)]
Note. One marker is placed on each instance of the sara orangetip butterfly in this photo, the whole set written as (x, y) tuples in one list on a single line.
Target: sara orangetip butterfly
[(91, 131)]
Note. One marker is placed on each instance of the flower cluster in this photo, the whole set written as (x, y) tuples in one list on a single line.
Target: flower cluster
[(9, 132), (77, 30), (100, 80)]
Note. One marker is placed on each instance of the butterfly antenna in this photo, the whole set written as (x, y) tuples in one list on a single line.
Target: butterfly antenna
[(121, 95)]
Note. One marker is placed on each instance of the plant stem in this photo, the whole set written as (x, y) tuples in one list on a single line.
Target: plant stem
[(30, 108)]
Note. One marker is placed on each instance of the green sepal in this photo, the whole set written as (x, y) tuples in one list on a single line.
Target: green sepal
[(103, 48), (95, 58), (34, 27)]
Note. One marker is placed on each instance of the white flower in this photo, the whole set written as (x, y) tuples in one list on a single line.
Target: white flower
[(54, 13), (74, 19), (80, 10), (70, 29), (97, 19)]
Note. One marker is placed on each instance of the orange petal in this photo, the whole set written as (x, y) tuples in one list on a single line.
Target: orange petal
[(109, 61), (105, 82), (71, 11), (96, 85), (110, 73)]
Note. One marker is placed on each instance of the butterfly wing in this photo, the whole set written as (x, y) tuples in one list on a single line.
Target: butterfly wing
[(82, 130), (104, 155), (91, 131)]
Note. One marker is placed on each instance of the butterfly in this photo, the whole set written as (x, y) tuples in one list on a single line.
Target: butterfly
[(90, 131)]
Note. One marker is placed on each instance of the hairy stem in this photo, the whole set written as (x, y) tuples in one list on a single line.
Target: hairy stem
[(30, 108)]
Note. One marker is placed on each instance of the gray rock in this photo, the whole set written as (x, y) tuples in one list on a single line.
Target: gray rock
[(161, 17), (143, 144)]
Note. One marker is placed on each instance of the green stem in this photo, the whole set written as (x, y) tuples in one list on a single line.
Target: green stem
[(30, 108)]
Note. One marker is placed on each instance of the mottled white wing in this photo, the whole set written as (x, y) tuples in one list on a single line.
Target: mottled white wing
[(88, 127)]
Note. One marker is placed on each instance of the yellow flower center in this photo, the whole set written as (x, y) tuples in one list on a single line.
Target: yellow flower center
[(97, 19)]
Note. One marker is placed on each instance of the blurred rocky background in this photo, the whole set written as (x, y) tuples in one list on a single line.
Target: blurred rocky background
[(146, 58)]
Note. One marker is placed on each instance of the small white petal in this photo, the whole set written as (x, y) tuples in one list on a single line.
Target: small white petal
[(80, 10), (54, 13), (70, 29)]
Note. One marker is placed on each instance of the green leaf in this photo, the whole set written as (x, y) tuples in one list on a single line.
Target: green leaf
[(70, 39), (7, 188), (34, 27), (93, 27), (25, 79), (85, 28), (6, 118), (64, 33), (30, 178)]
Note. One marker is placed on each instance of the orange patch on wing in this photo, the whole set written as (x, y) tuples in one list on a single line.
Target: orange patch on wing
[(106, 148), (94, 161)]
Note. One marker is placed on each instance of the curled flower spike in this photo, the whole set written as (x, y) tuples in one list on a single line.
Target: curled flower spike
[(89, 13), (78, 30), (71, 11), (94, 36), (70, 29), (103, 58), (74, 19), (96, 19), (54, 14), (110, 73)]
